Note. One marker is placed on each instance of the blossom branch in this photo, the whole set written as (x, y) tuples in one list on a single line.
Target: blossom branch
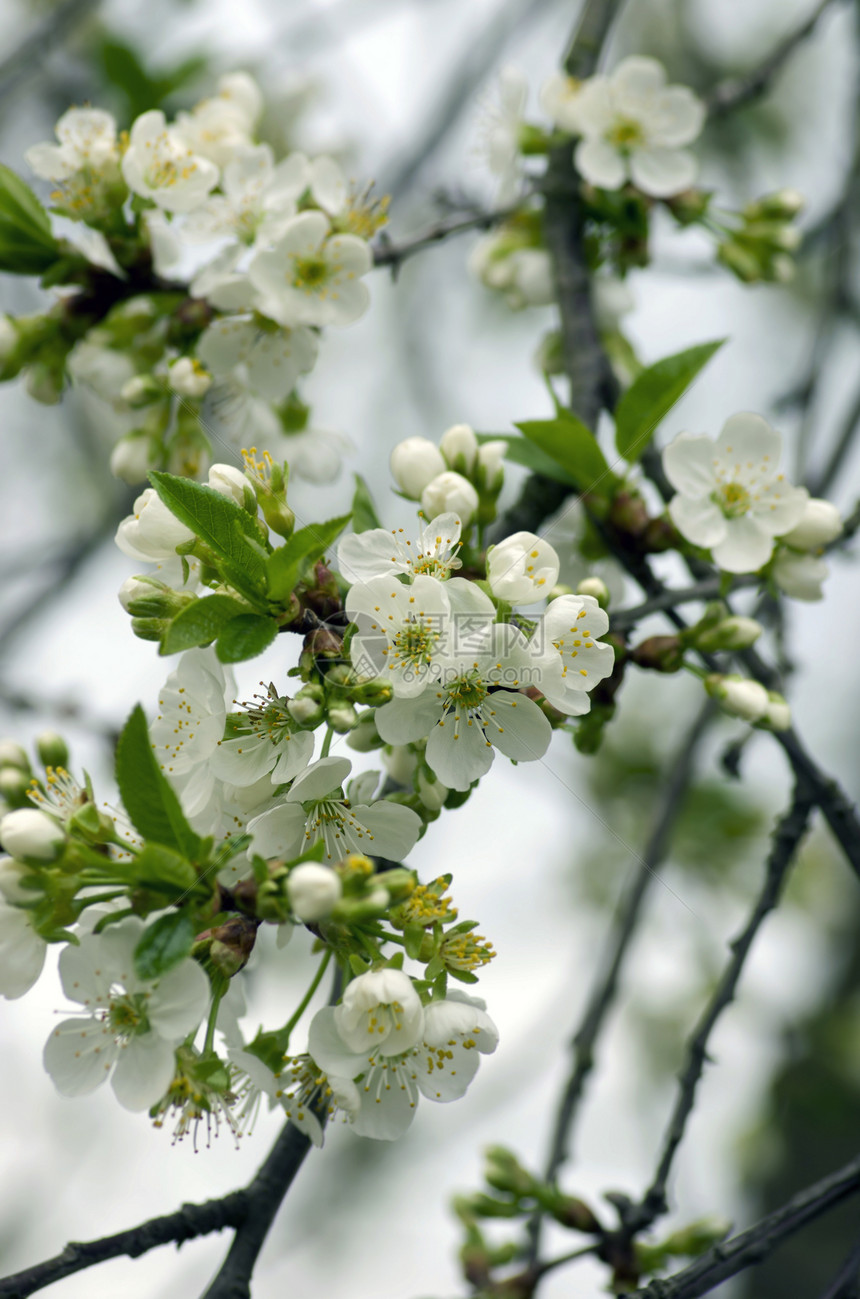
[(786, 838), (737, 92), (394, 255), (624, 924), (710, 588), (844, 1284), (752, 1246)]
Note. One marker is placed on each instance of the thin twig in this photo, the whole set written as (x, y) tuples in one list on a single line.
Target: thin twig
[(821, 483), (605, 987), (845, 1284), (710, 588), (786, 839), (390, 254), (752, 1246), (737, 92), (54, 27)]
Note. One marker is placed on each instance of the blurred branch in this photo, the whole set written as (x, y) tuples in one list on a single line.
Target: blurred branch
[(850, 426), (752, 1246), (710, 588), (387, 253), (737, 92), (845, 1284), (786, 839), (627, 915), (482, 54), (57, 24)]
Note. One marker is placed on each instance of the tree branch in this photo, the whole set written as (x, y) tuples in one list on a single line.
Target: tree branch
[(710, 588), (845, 1284), (786, 838), (187, 1223), (54, 27), (386, 253), (752, 1246), (740, 91)]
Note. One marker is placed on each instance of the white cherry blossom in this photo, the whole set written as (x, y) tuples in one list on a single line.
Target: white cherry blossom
[(22, 950), (257, 201), (504, 120), (558, 98), (475, 708), (522, 568), (219, 127), (731, 498), (264, 740), (159, 165), (84, 165), (379, 553), (315, 808), (571, 626), (311, 277), (404, 631), (128, 1027), (192, 710), (265, 358), (633, 127)]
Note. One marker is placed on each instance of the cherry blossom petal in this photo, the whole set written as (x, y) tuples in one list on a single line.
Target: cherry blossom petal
[(661, 172), (746, 546), (599, 163)]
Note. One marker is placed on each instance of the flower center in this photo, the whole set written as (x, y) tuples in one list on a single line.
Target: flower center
[(127, 1015), (625, 133), (467, 692), (733, 499), (414, 643), (309, 272)]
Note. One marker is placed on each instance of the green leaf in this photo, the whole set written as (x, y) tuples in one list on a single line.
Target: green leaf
[(163, 944), (288, 563), (200, 622), (364, 516), (528, 454), (146, 794), (27, 246), (162, 870), (245, 637), (222, 524), (653, 394), (271, 1048), (568, 442)]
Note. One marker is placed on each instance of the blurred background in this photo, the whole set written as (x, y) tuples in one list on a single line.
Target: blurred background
[(399, 90)]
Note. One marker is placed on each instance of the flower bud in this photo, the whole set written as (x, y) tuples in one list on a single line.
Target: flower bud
[(459, 446), (31, 835), (778, 714), (307, 708), (142, 390), (450, 492), (365, 737), (800, 576), (431, 792), (489, 471), (15, 786), (133, 457), (147, 597), (52, 749), (596, 587), (149, 628), (188, 378), (341, 716), (819, 524), (415, 463), (739, 696), (659, 653), (232, 483), (314, 891), (12, 755), (733, 633), (782, 205)]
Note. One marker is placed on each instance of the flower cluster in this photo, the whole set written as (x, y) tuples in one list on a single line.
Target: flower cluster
[(279, 250)]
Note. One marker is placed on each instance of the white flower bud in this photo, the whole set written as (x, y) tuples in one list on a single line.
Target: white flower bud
[(739, 696), (142, 390), (229, 481), (12, 755), (432, 793), (522, 568), (459, 446), (490, 457), (596, 587), (733, 633), (450, 492), (819, 524), (303, 709), (800, 576), (133, 588), (778, 714), (188, 378), (133, 457), (31, 835), (314, 891), (414, 463), (151, 533)]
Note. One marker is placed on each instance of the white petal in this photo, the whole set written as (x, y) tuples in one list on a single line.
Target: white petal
[(516, 726), (660, 172), (78, 1055), (638, 76), (699, 520), (143, 1072), (745, 548), (403, 720), (458, 752), (279, 832), (22, 952), (690, 464), (678, 117), (320, 779), (600, 164), (179, 1001), (365, 555), (328, 1049), (444, 1074), (389, 1099), (394, 828), (328, 185), (778, 507), (748, 437)]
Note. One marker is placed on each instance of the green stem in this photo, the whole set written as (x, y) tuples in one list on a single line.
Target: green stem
[(306, 999), (219, 987), (329, 736)]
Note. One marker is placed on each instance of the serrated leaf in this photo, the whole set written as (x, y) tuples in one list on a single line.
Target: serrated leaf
[(653, 394), (364, 516), (222, 524), (568, 442), (27, 246), (245, 637), (288, 563), (199, 623), (528, 454), (163, 870), (163, 944), (148, 797)]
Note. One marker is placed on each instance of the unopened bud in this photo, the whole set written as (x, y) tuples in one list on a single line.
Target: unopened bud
[(52, 749), (414, 463), (231, 944), (341, 716), (733, 633), (778, 714), (459, 446), (188, 378), (307, 708), (365, 737), (596, 587), (133, 457), (314, 891), (142, 390), (575, 1214), (819, 524), (452, 492), (659, 654), (12, 755), (150, 628), (739, 696), (14, 787), (31, 835)]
